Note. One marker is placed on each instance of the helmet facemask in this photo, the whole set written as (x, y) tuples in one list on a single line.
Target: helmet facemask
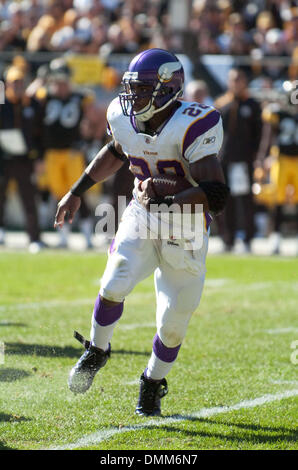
[(160, 96), (132, 93)]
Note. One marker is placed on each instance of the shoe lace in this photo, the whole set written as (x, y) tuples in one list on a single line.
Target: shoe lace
[(153, 391), (163, 389), (93, 356)]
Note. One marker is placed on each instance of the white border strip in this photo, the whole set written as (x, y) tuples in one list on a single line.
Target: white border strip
[(106, 434)]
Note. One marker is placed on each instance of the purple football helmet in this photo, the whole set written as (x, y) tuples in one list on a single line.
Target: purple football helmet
[(161, 74)]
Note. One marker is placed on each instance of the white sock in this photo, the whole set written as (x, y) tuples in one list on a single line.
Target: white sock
[(158, 369), (101, 335)]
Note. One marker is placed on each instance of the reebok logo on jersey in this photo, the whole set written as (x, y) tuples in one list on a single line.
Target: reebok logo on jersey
[(209, 140)]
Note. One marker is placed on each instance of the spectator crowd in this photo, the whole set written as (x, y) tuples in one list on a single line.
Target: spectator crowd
[(267, 27), (257, 29)]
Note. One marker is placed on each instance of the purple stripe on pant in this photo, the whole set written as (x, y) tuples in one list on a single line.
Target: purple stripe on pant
[(105, 316), (112, 247), (163, 352)]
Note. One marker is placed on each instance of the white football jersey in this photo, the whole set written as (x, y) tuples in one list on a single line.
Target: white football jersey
[(191, 133)]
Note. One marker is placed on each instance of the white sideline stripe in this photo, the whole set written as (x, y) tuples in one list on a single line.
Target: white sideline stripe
[(217, 282), (44, 303), (134, 382), (284, 382), (133, 326), (278, 331), (106, 434)]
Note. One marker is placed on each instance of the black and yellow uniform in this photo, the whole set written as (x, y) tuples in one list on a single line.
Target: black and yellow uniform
[(284, 172), (242, 132), (20, 146), (64, 163)]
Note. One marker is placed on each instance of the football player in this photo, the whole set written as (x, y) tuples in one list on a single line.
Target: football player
[(21, 151), (64, 109), (159, 134), (282, 120)]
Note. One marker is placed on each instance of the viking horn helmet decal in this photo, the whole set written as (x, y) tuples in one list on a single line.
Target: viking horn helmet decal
[(165, 71)]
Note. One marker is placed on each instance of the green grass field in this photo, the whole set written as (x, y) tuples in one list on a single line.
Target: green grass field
[(234, 385)]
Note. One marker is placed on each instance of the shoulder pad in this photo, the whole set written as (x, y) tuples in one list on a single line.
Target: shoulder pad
[(114, 117), (114, 111)]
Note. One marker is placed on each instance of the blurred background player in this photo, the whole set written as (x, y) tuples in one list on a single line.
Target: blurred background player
[(44, 206), (241, 117), (94, 136), (64, 109), (197, 90), (281, 121), (20, 149)]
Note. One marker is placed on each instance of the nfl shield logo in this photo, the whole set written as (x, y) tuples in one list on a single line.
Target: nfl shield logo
[(147, 140)]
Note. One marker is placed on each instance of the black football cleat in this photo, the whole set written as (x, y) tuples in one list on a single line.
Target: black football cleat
[(82, 374), (150, 395)]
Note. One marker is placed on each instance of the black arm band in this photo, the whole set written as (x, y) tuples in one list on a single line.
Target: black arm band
[(217, 194), (111, 147), (168, 200), (82, 185)]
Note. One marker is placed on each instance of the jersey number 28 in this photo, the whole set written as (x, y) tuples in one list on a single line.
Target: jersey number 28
[(140, 167)]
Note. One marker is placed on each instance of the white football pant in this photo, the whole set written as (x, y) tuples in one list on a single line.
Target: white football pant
[(178, 291)]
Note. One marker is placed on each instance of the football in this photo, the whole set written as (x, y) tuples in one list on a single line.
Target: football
[(167, 185)]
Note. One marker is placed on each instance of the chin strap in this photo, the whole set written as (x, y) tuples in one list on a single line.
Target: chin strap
[(143, 117)]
